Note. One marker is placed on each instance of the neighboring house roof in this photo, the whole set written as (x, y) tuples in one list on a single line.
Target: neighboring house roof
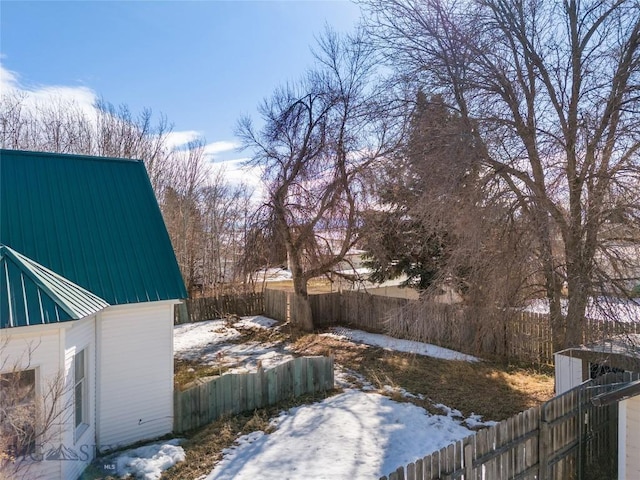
[(95, 221), (33, 295)]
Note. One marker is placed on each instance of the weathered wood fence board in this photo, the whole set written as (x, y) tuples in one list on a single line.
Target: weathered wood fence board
[(520, 335), (235, 393), (276, 304), (558, 440), (210, 308)]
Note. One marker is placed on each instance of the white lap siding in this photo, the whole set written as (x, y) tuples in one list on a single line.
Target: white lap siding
[(81, 336), (629, 439), (135, 373)]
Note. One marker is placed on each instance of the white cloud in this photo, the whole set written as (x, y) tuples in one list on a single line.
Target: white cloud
[(178, 139), (219, 147), (37, 99), (41, 98), (8, 79), (235, 171)]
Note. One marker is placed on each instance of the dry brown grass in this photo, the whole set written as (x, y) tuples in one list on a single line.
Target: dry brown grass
[(489, 389), (494, 391), (315, 285), (185, 372)]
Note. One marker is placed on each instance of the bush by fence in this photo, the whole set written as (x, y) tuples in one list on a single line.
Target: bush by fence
[(558, 440), (514, 335), (235, 393)]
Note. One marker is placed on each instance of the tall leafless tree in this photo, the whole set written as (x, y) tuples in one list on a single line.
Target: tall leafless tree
[(319, 136), (227, 208), (552, 91)]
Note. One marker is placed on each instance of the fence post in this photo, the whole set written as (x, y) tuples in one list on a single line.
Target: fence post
[(182, 314)]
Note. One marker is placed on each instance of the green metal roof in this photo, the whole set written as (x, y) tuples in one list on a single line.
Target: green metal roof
[(94, 221), (32, 294)]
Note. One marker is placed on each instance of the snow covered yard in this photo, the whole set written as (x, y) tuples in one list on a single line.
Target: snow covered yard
[(350, 435), (223, 344), (400, 400)]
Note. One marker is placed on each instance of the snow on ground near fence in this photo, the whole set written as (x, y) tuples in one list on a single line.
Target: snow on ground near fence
[(211, 343), (355, 434), (351, 435), (148, 462), (398, 345)]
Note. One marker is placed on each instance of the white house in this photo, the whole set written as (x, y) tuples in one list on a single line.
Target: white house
[(88, 282)]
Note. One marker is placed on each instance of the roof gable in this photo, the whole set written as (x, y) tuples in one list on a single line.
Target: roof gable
[(34, 295), (95, 221)]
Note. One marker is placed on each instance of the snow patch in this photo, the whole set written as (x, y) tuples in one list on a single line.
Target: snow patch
[(399, 345), (149, 461), (351, 435), (209, 343)]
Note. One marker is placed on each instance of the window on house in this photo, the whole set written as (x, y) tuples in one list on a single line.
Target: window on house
[(80, 391), (18, 413)]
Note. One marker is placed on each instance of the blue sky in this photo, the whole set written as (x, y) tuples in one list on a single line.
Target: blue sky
[(201, 63)]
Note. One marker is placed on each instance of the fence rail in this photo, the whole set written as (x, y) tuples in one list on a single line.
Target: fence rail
[(235, 393), (209, 308), (520, 335), (564, 438)]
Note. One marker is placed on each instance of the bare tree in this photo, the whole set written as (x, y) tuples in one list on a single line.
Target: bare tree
[(183, 210), (62, 126), (551, 90), (30, 417), (226, 211), (318, 138)]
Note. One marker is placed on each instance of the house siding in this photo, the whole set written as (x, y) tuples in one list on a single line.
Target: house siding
[(135, 373), (81, 336), (568, 373), (629, 439), (40, 348)]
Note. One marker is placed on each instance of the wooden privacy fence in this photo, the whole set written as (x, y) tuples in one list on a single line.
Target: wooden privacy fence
[(565, 438), (210, 308), (491, 333), (235, 393), (520, 335)]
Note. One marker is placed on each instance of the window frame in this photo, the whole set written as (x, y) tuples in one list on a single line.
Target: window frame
[(81, 390), (29, 398)]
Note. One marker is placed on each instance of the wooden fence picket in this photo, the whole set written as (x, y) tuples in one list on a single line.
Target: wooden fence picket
[(234, 393), (541, 443)]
